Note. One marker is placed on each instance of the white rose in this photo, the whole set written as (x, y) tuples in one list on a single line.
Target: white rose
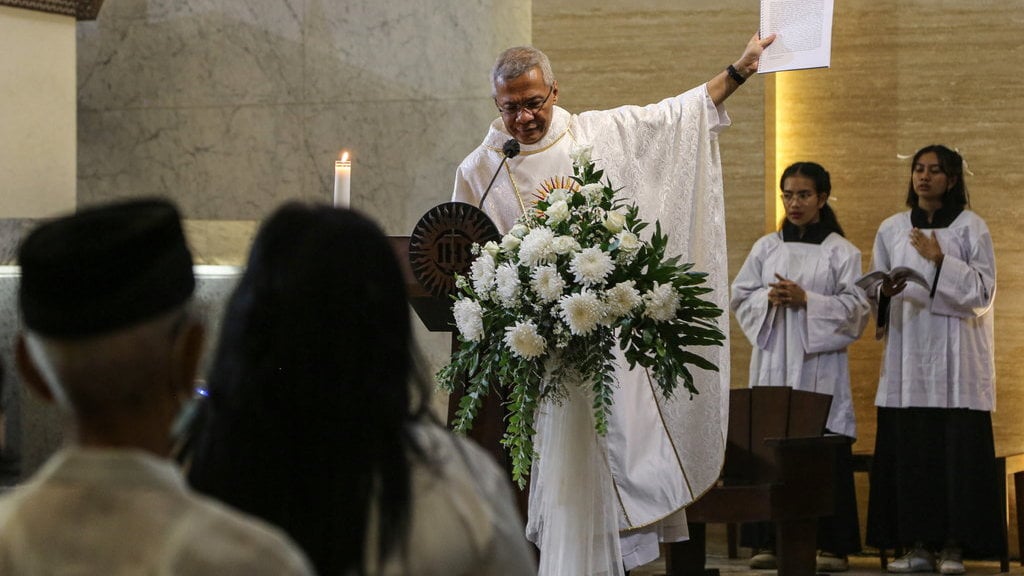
[(564, 245), (614, 221), (593, 192), (519, 231), (510, 242), (557, 213), (558, 195), (581, 154), (628, 242), (491, 248)]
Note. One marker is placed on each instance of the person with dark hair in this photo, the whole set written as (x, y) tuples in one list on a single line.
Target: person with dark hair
[(319, 422), (108, 338), (933, 476), (797, 302)]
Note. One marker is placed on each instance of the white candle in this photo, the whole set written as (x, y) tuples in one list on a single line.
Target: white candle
[(342, 182)]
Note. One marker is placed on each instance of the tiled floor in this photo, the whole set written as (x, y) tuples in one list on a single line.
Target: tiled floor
[(859, 566)]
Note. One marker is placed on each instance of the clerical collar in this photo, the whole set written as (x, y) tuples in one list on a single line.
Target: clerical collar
[(942, 218), (814, 233), (559, 127)]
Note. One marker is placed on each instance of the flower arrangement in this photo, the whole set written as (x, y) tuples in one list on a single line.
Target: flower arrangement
[(570, 280)]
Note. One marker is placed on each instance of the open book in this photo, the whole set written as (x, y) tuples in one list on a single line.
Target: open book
[(872, 280)]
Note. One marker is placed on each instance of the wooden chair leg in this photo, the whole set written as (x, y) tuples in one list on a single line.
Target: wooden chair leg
[(688, 558), (731, 540), (796, 545)]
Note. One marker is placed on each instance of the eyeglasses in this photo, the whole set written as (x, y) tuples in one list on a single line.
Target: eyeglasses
[(531, 106), (802, 197)]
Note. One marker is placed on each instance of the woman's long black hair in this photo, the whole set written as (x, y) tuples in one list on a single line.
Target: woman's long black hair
[(822, 185), (313, 387)]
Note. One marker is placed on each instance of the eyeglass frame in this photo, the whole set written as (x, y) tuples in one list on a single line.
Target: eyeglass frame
[(533, 108), (802, 197)]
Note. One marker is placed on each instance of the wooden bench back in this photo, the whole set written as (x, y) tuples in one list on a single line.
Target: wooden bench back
[(768, 412)]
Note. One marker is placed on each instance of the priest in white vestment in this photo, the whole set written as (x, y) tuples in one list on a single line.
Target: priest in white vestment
[(658, 456)]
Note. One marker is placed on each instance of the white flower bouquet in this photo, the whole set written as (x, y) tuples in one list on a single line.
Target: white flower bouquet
[(544, 308)]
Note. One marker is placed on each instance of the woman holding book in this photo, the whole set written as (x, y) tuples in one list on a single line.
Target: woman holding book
[(797, 302), (933, 479)]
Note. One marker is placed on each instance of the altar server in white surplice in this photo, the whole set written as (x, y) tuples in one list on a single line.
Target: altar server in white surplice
[(658, 456), (934, 476), (796, 300)]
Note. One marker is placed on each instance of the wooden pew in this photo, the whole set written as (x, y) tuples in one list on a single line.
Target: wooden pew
[(778, 467)]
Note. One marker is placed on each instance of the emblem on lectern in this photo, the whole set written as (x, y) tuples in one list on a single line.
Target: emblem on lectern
[(440, 244)]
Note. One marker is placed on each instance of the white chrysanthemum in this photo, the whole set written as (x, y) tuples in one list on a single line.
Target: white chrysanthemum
[(557, 213), (469, 319), (580, 154), (661, 302), (593, 193), (614, 221), (524, 341), (557, 195), (491, 248), (506, 280), (582, 312), (564, 245), (621, 299), (510, 242), (482, 273), (591, 266), (547, 283), (537, 247)]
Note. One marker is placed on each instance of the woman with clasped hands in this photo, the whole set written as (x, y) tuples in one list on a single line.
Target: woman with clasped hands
[(933, 479), (797, 302)]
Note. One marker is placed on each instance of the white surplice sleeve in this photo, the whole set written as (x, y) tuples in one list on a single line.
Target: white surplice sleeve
[(966, 285), (834, 321), (749, 302)]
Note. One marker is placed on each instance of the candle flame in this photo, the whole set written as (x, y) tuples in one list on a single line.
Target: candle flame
[(344, 156)]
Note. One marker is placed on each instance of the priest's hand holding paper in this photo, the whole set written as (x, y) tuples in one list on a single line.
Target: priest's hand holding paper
[(726, 82)]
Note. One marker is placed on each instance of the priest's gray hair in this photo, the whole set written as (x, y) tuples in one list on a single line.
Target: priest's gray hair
[(519, 60)]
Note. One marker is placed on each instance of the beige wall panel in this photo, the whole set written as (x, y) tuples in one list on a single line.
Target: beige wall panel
[(37, 114), (904, 75), (611, 53)]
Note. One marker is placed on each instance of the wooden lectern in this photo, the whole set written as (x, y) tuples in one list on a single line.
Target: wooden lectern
[(436, 315)]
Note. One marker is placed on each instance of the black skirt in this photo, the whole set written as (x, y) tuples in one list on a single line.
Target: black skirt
[(934, 480)]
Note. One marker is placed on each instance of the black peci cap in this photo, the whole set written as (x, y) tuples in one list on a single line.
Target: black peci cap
[(104, 268)]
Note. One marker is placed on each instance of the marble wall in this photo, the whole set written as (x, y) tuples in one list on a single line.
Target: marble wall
[(231, 108), (37, 113)]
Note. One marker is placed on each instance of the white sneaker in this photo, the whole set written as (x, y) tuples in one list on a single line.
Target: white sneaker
[(764, 560), (828, 562), (917, 560), (951, 561)]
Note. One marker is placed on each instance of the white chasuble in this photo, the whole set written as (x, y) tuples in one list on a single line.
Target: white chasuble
[(661, 455)]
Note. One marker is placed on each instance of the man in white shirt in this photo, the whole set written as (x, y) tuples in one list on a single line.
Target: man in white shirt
[(109, 340)]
